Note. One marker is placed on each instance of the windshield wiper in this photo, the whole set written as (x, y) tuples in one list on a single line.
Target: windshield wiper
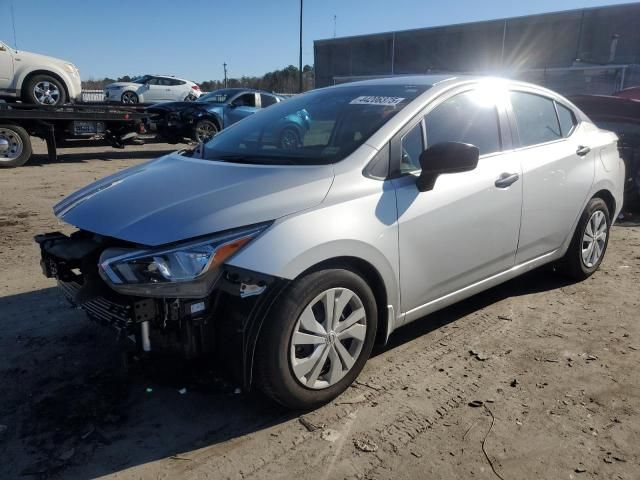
[(253, 160)]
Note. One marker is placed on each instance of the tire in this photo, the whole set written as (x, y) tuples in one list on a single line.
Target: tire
[(190, 98), (574, 264), (276, 353), (19, 146), (129, 98), (45, 90), (204, 130), (290, 139)]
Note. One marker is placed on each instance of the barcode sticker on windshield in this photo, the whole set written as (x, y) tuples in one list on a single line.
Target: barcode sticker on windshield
[(374, 100)]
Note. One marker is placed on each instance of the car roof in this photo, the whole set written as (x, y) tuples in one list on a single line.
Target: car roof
[(240, 89), (169, 76), (428, 80)]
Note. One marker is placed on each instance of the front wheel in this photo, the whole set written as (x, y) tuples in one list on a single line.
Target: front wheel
[(129, 98), (204, 131), (589, 242), (45, 90), (317, 339)]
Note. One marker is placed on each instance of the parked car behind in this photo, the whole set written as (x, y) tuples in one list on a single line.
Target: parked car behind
[(152, 89), (204, 118), (620, 114), (38, 79), (286, 265)]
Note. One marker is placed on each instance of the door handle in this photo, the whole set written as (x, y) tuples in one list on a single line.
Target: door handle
[(582, 150), (506, 179)]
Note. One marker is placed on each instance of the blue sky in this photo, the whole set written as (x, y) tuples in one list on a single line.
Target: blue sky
[(192, 38)]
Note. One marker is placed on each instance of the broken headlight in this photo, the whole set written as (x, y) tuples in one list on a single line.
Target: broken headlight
[(186, 270)]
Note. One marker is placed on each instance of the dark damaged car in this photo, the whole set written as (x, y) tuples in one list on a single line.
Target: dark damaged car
[(212, 112)]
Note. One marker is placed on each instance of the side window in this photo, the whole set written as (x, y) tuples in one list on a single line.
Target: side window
[(153, 81), (165, 82), (412, 147), (567, 120), (267, 100), (246, 100), (536, 118), (466, 118)]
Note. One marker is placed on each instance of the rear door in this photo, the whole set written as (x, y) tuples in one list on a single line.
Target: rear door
[(466, 228), (558, 171)]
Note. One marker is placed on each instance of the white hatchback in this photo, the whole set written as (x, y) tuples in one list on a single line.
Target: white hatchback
[(152, 89)]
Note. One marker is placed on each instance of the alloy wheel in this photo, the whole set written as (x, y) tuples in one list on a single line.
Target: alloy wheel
[(289, 139), (594, 239), (205, 131), (328, 338), (129, 98), (46, 93)]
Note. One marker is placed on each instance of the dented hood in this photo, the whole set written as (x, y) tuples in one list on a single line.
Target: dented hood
[(176, 198)]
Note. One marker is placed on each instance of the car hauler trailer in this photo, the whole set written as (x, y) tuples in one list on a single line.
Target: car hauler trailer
[(113, 124)]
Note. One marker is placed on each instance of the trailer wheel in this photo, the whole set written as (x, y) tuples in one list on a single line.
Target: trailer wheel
[(15, 146)]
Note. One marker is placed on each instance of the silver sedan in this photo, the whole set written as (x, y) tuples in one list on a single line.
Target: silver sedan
[(393, 199)]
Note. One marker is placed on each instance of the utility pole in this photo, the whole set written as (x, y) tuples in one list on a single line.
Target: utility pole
[(300, 58), (225, 74), (13, 22)]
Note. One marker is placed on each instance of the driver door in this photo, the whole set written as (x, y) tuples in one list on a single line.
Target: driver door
[(240, 107), (6, 67), (466, 228)]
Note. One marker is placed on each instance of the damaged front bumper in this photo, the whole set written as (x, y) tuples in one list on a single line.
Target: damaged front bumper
[(222, 326)]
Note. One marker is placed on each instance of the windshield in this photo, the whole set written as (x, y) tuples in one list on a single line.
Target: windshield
[(141, 79), (217, 96), (319, 127)]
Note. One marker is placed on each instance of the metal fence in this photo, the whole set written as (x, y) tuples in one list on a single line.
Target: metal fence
[(92, 96), (594, 80)]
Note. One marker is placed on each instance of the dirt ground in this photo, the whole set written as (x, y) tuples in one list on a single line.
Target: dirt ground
[(551, 367)]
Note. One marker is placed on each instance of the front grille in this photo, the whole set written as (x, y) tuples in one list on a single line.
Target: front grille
[(100, 309)]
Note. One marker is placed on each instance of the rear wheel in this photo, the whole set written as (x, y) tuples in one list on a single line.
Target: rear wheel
[(290, 139), (589, 243), (317, 339), (15, 146), (204, 131), (45, 90)]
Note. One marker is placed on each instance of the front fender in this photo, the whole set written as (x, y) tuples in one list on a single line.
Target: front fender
[(22, 71), (363, 228)]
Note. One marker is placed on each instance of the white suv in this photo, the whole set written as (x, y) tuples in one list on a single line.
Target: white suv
[(152, 89), (35, 78)]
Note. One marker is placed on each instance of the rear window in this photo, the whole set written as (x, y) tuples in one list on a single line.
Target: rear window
[(536, 118), (567, 120), (267, 100)]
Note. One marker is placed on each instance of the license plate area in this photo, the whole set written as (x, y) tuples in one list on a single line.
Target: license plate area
[(82, 127)]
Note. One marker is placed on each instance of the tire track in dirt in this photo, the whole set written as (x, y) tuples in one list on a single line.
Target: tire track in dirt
[(404, 384)]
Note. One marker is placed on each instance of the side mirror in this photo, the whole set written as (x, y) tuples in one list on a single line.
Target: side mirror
[(445, 157), (2, 48), (233, 105)]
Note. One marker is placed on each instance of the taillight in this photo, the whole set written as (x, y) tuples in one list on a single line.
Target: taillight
[(195, 87)]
